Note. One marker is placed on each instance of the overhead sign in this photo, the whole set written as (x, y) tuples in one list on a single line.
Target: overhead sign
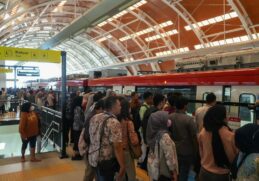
[(28, 72), (29, 55), (3, 70)]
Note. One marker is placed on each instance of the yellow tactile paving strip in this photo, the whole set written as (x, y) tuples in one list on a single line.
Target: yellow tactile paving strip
[(38, 172), (142, 175)]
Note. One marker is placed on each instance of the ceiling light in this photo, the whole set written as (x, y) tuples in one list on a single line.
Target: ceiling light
[(104, 38), (212, 20), (155, 37), (168, 52), (147, 30), (227, 41), (122, 13)]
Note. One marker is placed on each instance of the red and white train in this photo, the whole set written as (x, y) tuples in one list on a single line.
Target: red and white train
[(232, 86)]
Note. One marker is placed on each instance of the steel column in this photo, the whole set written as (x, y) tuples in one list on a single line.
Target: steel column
[(63, 106)]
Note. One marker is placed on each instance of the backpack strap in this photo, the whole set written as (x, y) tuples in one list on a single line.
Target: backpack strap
[(102, 130)]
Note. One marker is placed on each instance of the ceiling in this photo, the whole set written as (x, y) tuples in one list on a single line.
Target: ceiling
[(144, 30)]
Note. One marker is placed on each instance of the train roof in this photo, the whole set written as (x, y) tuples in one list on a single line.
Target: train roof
[(220, 77)]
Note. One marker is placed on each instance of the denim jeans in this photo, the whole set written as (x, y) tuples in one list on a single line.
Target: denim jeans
[(104, 178), (185, 163)]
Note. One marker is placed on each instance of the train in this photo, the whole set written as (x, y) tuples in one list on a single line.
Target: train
[(234, 88)]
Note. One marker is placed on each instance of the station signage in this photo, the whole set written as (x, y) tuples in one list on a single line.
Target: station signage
[(28, 72), (29, 55), (3, 70)]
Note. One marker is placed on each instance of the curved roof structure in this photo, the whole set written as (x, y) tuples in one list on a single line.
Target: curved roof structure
[(111, 33)]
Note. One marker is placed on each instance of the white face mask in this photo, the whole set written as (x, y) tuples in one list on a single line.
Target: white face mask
[(32, 108), (169, 123)]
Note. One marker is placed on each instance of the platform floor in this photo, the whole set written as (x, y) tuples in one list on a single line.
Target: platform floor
[(51, 168)]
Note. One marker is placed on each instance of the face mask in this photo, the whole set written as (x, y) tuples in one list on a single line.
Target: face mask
[(32, 108), (169, 123)]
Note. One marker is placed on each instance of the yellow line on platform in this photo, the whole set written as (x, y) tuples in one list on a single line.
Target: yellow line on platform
[(142, 175), (37, 172)]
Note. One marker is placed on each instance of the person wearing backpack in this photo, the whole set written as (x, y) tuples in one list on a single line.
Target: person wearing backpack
[(159, 102), (106, 150), (84, 141), (247, 162), (162, 157), (217, 147), (138, 118)]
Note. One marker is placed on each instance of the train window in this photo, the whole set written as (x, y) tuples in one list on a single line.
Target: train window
[(187, 91), (204, 96), (226, 96), (246, 114)]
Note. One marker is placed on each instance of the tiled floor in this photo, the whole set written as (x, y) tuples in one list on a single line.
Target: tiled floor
[(51, 168), (10, 142)]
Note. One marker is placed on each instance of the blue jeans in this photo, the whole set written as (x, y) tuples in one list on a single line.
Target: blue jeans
[(104, 178), (185, 163)]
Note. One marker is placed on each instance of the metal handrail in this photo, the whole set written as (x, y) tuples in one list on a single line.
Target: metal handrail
[(49, 131)]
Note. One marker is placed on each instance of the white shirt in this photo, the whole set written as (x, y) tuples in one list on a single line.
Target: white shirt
[(199, 116)]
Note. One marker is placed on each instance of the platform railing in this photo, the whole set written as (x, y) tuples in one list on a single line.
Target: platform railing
[(50, 127)]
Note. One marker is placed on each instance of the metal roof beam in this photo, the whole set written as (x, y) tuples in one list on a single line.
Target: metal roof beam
[(242, 18), (102, 11), (194, 53)]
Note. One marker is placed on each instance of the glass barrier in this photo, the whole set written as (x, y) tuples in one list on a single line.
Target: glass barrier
[(10, 141)]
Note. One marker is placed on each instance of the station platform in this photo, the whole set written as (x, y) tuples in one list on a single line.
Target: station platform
[(9, 118), (51, 168)]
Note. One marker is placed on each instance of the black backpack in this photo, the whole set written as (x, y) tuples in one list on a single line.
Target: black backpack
[(147, 114)]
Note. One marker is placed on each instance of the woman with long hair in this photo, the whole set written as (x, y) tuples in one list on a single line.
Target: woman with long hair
[(129, 136), (217, 147)]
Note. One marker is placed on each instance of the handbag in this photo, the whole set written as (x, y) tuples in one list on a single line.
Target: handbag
[(107, 167), (135, 150)]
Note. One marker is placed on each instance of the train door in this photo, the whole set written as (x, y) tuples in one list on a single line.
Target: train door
[(244, 94), (202, 92), (127, 90), (117, 89)]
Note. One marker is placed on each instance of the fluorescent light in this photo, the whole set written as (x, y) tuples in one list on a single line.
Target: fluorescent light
[(155, 37), (2, 146), (128, 59), (147, 30), (168, 52), (212, 20), (122, 13), (227, 41), (104, 38), (59, 5)]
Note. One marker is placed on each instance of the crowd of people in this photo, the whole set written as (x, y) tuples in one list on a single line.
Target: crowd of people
[(114, 134)]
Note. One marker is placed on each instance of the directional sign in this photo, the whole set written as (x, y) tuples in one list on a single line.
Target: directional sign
[(28, 72), (29, 55), (3, 70)]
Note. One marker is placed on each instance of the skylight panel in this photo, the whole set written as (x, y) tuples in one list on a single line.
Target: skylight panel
[(122, 13), (169, 33), (168, 52), (148, 30), (212, 20)]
